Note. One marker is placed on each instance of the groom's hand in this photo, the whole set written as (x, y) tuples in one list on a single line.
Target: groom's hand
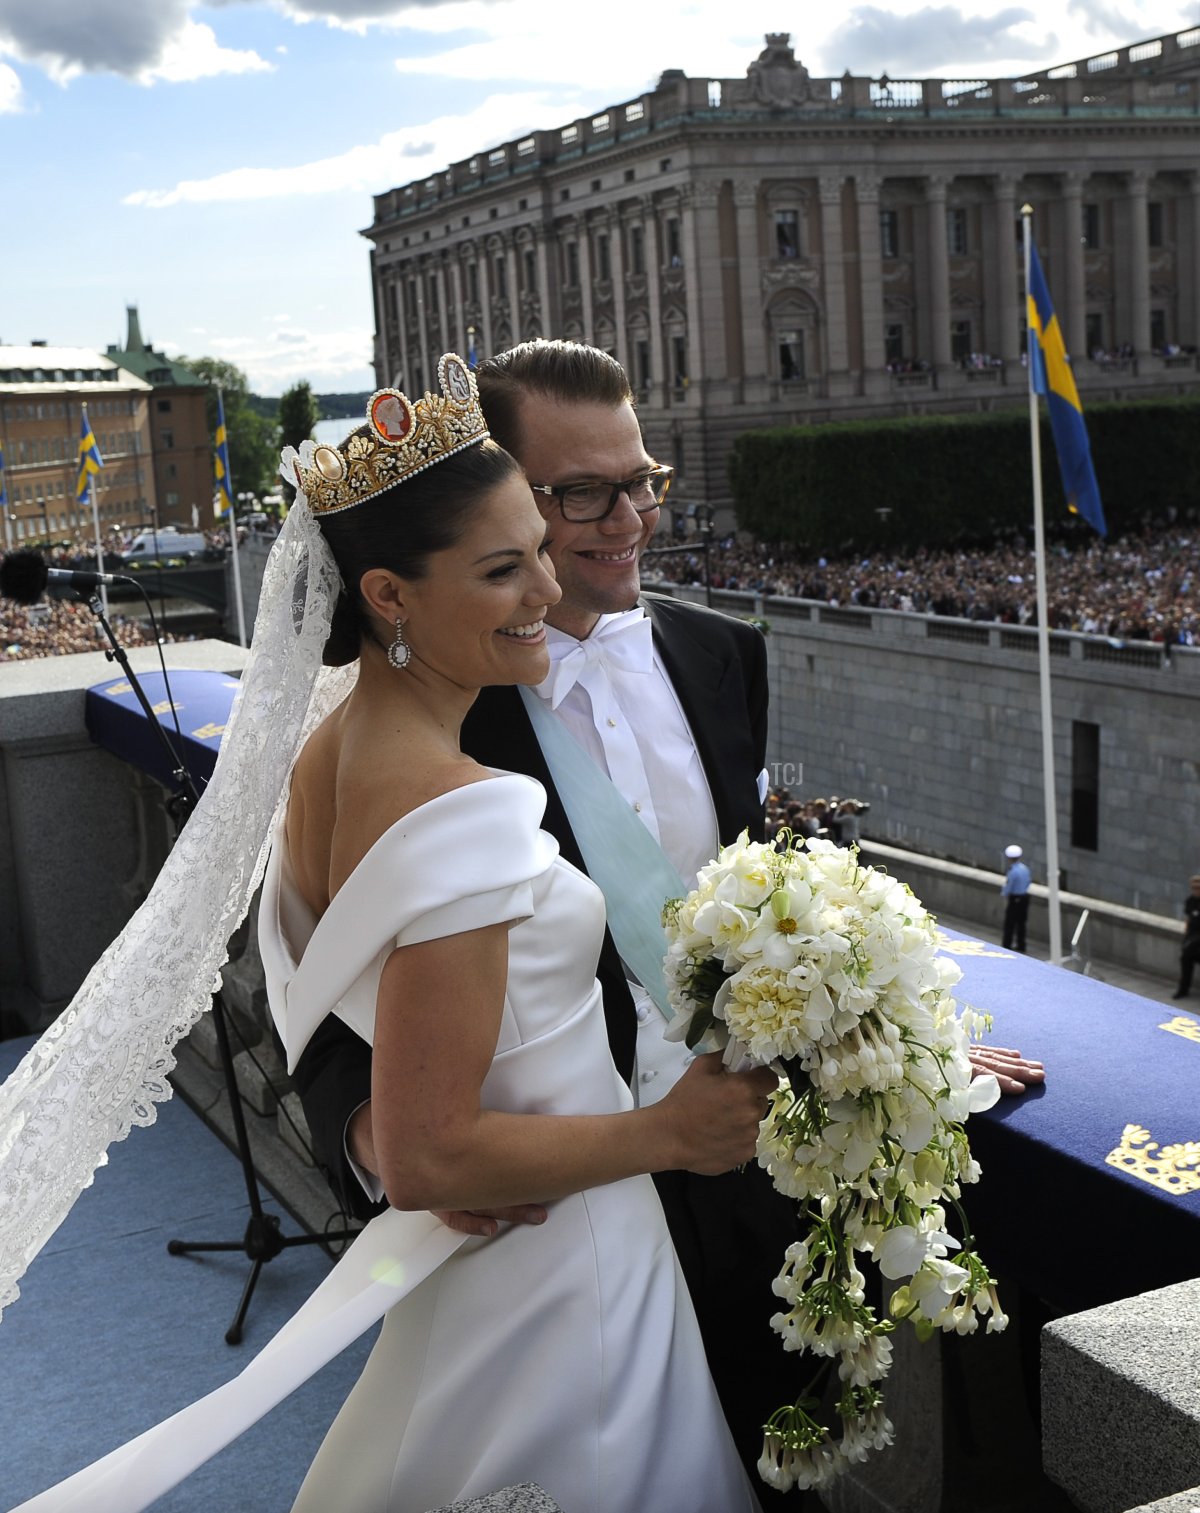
[(485, 1221)]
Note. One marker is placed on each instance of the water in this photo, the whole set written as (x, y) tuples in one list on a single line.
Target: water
[(334, 432)]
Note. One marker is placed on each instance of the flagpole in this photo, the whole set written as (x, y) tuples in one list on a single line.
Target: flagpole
[(233, 538), (93, 494), (1043, 619)]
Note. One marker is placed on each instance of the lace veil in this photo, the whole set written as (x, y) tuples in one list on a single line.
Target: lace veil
[(102, 1066)]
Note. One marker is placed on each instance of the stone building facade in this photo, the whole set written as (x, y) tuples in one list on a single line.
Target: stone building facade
[(42, 392), (179, 438), (778, 248)]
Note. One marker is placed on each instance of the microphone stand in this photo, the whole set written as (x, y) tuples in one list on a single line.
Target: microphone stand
[(263, 1240)]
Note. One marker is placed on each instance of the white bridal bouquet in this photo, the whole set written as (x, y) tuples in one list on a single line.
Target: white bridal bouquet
[(803, 959)]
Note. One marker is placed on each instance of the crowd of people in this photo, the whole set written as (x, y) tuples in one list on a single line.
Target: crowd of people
[(1139, 587), (835, 819), (56, 627)]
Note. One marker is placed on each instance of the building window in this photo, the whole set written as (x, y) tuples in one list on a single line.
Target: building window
[(1085, 785), (1154, 223), (172, 470), (679, 372), (410, 298), (893, 343), (1094, 328), (637, 249), (473, 282), (960, 340), (168, 439), (603, 260), (714, 94), (630, 175), (787, 233), (530, 269), (641, 352), (791, 355), (889, 233), (501, 277), (1158, 329), (572, 270), (956, 230), (172, 499), (596, 183), (1090, 228), (433, 293), (164, 406), (674, 243)]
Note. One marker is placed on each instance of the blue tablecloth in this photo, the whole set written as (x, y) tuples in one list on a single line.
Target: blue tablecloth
[(1073, 1202), (116, 721)]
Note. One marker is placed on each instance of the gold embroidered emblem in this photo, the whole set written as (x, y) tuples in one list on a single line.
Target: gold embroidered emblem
[(1170, 1168), (1181, 1025), (207, 732), (968, 947)]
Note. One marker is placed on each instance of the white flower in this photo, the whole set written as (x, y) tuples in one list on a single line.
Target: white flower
[(935, 1286)]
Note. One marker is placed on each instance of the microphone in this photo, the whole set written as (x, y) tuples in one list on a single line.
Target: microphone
[(24, 577)]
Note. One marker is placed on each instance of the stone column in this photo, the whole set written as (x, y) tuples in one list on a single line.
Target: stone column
[(400, 376), (1006, 328), (459, 299), (702, 263), (423, 324), (514, 286), (449, 335), (651, 240), (870, 275), (1189, 269), (833, 280), (586, 292), (1139, 263), (616, 257), (756, 375), (1073, 315), (546, 286), (936, 294), (483, 275)]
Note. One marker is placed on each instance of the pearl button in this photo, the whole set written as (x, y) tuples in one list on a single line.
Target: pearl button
[(643, 1013), (611, 721), (638, 806), (649, 1076)]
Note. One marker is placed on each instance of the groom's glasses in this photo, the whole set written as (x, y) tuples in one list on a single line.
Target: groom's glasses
[(594, 501)]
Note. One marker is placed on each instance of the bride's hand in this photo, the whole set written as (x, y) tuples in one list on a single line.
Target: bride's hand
[(714, 1115), (485, 1221)]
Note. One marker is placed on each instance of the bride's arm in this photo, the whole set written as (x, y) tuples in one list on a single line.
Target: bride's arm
[(436, 1026)]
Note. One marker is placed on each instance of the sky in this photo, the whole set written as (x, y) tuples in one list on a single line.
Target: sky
[(214, 164)]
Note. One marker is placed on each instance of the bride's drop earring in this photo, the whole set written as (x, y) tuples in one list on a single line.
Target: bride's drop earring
[(399, 652)]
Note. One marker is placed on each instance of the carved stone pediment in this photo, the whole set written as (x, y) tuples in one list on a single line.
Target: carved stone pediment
[(673, 282), (531, 304), (635, 286), (796, 273), (602, 291), (572, 301), (500, 307)]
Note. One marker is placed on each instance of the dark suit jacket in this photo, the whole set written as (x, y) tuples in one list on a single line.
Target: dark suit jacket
[(730, 1232)]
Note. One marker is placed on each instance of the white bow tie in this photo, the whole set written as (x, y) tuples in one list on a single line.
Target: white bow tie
[(622, 641)]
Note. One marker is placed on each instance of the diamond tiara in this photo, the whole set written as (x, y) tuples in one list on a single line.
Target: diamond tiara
[(402, 438)]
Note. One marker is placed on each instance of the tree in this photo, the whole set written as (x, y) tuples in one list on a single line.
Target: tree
[(298, 415), (253, 439)]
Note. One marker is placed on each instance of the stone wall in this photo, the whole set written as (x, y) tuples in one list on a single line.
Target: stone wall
[(936, 723)]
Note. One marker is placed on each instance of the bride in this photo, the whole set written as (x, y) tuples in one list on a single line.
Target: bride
[(413, 893)]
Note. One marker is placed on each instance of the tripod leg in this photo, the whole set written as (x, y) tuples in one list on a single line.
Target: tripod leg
[(233, 1335)]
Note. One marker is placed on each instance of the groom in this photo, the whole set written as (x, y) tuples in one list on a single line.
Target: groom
[(671, 702)]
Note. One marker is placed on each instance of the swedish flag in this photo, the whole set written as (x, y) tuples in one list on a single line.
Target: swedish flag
[(224, 500), (1052, 377), (90, 460)]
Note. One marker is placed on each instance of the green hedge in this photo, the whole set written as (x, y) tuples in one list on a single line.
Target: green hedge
[(957, 479)]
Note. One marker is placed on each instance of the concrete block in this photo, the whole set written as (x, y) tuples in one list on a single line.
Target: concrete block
[(1182, 1502), (527, 1498), (1121, 1400)]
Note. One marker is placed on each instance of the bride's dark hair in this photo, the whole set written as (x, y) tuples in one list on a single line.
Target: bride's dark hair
[(402, 528)]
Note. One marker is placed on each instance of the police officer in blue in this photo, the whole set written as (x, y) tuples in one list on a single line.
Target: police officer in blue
[(1015, 892)]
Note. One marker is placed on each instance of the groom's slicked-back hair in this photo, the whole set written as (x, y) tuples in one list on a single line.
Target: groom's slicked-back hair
[(565, 372)]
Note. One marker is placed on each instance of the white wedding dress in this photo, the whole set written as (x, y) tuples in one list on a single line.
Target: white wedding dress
[(565, 1354)]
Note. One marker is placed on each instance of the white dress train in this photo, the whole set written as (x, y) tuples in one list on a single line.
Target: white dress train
[(566, 1354)]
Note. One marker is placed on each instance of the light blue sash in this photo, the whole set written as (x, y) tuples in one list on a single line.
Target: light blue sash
[(622, 858)]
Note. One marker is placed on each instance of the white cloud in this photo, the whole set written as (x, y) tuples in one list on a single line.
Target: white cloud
[(330, 360), (10, 90), (411, 152), (195, 53)]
